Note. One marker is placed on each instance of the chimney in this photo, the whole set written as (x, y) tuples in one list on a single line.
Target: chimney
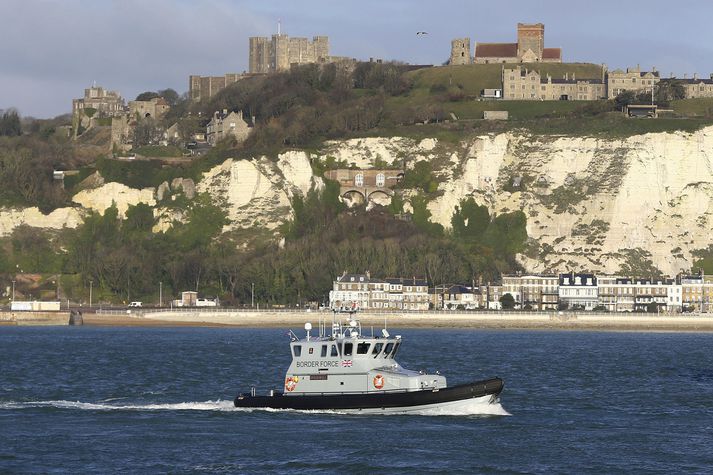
[(653, 69), (368, 275), (225, 111), (671, 76), (685, 75), (711, 76), (574, 76), (695, 76)]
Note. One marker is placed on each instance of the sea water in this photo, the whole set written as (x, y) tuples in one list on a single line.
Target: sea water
[(152, 400)]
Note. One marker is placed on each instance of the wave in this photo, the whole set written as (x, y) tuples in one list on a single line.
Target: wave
[(464, 408), (219, 405)]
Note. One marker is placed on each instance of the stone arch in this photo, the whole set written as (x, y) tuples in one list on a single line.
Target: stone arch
[(354, 198), (380, 197)]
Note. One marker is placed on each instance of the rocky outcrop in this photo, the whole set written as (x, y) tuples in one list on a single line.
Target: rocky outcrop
[(99, 199), (591, 203), (57, 219), (257, 192)]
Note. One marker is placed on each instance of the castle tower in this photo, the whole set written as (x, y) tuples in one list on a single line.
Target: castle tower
[(530, 37), (460, 51), (280, 54), (259, 54), (321, 48)]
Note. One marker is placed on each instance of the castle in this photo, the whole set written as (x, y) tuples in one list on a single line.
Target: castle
[(278, 53), (530, 48)]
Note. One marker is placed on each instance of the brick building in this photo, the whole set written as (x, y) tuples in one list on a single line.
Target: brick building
[(530, 48)]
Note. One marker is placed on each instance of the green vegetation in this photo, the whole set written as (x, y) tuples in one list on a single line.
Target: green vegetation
[(694, 107), (704, 260), (473, 78), (158, 151)]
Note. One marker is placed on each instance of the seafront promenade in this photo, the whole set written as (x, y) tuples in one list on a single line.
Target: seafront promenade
[(431, 319)]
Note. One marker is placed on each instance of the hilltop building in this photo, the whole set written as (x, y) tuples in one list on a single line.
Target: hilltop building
[(694, 87), (205, 87), (633, 79), (460, 52), (227, 124), (155, 108), (278, 53), (522, 84), (104, 103), (530, 48)]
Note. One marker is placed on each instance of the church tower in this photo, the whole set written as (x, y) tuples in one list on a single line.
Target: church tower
[(460, 51)]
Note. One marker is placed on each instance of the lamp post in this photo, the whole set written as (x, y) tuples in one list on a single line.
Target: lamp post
[(13, 290), (252, 295), (160, 294), (91, 283)]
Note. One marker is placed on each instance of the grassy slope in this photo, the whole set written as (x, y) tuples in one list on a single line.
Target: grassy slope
[(476, 77), (541, 117)]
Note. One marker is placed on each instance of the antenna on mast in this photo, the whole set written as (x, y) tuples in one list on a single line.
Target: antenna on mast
[(279, 26)]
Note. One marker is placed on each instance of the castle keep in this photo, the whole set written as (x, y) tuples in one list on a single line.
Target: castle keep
[(280, 52)]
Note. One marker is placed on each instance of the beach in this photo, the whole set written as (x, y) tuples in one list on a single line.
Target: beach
[(484, 320)]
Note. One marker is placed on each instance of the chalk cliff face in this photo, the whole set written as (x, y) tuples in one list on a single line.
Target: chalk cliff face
[(257, 193), (592, 204)]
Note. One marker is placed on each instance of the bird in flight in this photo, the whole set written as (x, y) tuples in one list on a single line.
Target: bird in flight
[(419, 33)]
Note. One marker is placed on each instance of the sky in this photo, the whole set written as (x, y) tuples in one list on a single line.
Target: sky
[(50, 50)]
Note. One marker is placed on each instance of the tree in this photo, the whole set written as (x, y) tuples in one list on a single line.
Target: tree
[(652, 307), (625, 98), (147, 96), (169, 96), (669, 90), (507, 301), (10, 123), (470, 221), (146, 132)]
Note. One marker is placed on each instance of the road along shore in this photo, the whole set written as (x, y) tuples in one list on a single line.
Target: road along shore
[(495, 320)]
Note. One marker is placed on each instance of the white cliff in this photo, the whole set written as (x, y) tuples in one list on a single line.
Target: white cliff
[(57, 219), (257, 192), (591, 203), (101, 198)]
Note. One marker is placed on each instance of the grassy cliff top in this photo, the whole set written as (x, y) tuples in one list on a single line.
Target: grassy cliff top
[(475, 77)]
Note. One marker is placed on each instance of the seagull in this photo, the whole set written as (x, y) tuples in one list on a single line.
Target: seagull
[(418, 33)]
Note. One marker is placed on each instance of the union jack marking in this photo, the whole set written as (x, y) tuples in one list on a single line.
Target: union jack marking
[(347, 363)]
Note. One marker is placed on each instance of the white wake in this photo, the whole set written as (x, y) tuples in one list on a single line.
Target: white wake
[(219, 405), (471, 407)]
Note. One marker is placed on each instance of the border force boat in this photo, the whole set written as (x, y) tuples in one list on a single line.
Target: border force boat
[(347, 371)]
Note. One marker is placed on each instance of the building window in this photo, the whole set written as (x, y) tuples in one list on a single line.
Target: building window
[(359, 180), (380, 179)]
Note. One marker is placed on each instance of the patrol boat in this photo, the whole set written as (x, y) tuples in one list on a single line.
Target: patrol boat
[(349, 372)]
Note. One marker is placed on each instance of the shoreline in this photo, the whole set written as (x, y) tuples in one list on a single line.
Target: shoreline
[(689, 324)]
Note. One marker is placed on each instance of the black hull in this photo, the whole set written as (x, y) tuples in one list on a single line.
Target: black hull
[(383, 400)]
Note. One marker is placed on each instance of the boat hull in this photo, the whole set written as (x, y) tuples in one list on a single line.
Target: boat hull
[(486, 391)]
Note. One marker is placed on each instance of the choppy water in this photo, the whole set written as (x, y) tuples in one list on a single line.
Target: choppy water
[(160, 400)]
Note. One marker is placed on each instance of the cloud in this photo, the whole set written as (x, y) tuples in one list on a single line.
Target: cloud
[(126, 45)]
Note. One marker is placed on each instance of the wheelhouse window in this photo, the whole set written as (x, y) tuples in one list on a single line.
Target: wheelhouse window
[(396, 348), (387, 350), (377, 349), (334, 351), (363, 348), (348, 349), (297, 350), (324, 351)]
